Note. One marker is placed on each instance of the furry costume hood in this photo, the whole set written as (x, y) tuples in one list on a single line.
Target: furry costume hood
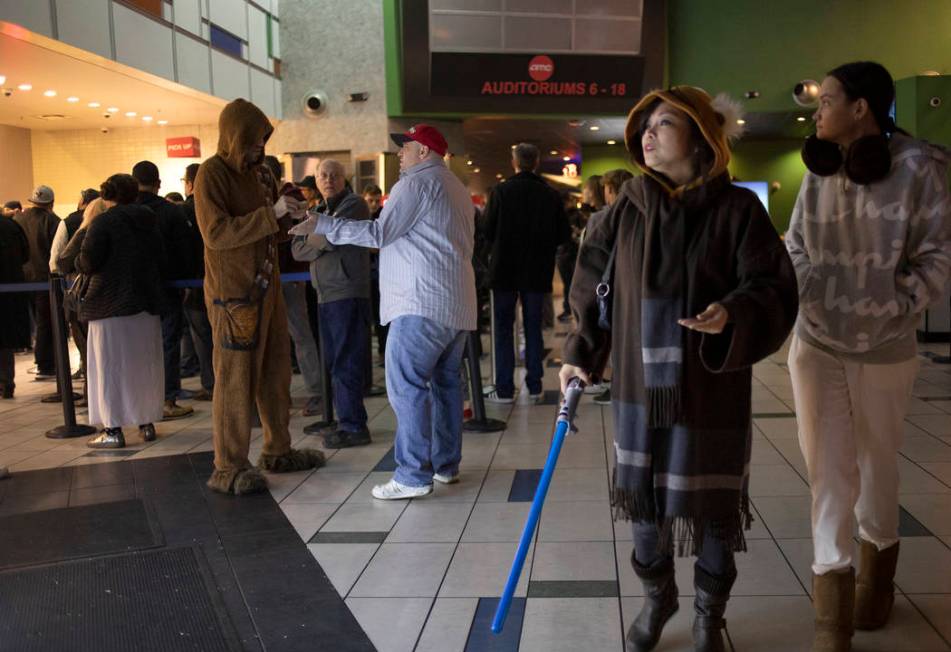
[(241, 125), (716, 118)]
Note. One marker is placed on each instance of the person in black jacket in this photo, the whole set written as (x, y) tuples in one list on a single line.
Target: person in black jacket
[(121, 259), (14, 306), (196, 314), (39, 222), (524, 223), (176, 237)]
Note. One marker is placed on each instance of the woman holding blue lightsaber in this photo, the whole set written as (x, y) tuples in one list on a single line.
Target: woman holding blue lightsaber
[(686, 284)]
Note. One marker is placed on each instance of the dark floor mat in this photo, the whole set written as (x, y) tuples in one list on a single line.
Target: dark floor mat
[(153, 601), (56, 534)]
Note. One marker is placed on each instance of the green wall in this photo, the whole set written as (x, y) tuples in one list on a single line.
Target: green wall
[(772, 160), (745, 45), (598, 159)]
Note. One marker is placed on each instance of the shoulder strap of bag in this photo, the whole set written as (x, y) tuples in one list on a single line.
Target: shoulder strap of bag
[(604, 287)]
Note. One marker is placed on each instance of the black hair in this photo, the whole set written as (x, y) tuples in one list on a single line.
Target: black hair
[(705, 155), (526, 156), (175, 197), (146, 173), (372, 189), (120, 188), (615, 179), (593, 184), (88, 195), (191, 172), (872, 82), (13, 203)]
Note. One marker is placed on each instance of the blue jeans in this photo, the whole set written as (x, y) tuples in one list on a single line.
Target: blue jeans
[(345, 329), (505, 302), (423, 363)]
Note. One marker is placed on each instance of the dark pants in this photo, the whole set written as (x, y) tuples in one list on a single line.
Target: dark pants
[(79, 330), (200, 329), (716, 557), (190, 362), (505, 302), (566, 258), (344, 326), (173, 321), (378, 328), (7, 369), (43, 349)]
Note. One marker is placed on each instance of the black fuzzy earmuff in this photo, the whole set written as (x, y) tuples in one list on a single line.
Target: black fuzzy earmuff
[(866, 161)]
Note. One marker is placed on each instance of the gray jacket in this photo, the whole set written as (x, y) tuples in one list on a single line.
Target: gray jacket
[(337, 271)]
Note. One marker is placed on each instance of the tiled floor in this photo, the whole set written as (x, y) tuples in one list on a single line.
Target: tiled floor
[(424, 575)]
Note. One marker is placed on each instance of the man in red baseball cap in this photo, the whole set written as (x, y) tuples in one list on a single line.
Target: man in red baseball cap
[(424, 135)]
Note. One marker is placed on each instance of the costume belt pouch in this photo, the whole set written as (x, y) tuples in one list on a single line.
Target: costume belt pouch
[(242, 315)]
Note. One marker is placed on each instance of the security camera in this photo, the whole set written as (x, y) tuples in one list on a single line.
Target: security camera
[(315, 103), (934, 102), (751, 95), (806, 92), (7, 92)]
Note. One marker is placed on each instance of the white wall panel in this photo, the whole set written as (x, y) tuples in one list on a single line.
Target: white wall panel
[(276, 39), (257, 37), (230, 15), (274, 8), (85, 24), (188, 15), (262, 92), (35, 15), (229, 77), (194, 65), (143, 43)]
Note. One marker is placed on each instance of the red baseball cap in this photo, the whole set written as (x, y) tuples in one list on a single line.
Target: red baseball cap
[(424, 135)]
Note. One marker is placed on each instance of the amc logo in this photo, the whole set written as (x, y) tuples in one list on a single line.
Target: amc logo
[(541, 68)]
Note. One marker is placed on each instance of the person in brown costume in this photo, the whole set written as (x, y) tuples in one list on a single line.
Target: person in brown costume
[(234, 198)]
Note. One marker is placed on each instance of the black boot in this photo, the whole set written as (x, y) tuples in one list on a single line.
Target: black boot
[(147, 431), (660, 603), (713, 592)]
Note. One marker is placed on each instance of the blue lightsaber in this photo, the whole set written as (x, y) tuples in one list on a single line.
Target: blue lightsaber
[(565, 417)]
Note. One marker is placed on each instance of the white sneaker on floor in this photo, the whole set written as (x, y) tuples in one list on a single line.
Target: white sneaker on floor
[(446, 479), (394, 490), (493, 397), (536, 398)]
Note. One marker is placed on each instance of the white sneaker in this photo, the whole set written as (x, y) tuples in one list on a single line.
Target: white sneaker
[(394, 490), (493, 397), (536, 398), (446, 479)]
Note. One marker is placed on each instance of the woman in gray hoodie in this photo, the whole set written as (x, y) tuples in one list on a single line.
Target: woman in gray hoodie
[(870, 238)]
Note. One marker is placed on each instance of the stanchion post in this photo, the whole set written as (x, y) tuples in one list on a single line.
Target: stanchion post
[(479, 422), (63, 378)]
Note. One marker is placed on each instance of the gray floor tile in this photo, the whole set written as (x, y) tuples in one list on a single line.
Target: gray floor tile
[(931, 510), (343, 562), (935, 424), (447, 627), (916, 478), (496, 522), (775, 429), (576, 521), (940, 470), (429, 521), (574, 561), (325, 488), (764, 571), (555, 624), (937, 610), (282, 484), (360, 459), (774, 623), (393, 624), (497, 485), (764, 453), (481, 569), (307, 517), (926, 448), (378, 516), (907, 629), (776, 480), (786, 517), (574, 485), (404, 570), (924, 566)]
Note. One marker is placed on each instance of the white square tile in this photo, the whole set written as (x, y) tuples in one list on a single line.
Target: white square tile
[(404, 570), (393, 624), (343, 562), (571, 624)]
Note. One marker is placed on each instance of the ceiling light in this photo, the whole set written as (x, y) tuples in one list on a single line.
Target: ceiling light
[(25, 87), (72, 100), (554, 152), (800, 119), (612, 142), (513, 146), (49, 93), (476, 170), (163, 122), (130, 114), (566, 158), (146, 118), (594, 128), (468, 162), (94, 105), (741, 121), (3, 80), (113, 109), (498, 176)]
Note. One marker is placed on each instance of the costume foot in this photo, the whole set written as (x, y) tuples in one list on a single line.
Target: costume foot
[(239, 483), (296, 459)]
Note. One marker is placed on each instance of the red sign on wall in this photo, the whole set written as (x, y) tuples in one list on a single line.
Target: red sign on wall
[(183, 147)]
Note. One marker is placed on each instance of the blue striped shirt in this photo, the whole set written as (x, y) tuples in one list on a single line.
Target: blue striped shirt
[(425, 235)]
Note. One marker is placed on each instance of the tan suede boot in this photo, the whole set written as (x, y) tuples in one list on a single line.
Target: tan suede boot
[(833, 595), (874, 589)]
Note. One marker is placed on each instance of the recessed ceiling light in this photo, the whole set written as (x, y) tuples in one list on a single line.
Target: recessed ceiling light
[(72, 99), (468, 162), (612, 142), (800, 119), (476, 170), (513, 146), (130, 114), (498, 176), (94, 105), (3, 80), (594, 128), (25, 87), (566, 158), (554, 152), (741, 121), (113, 109), (49, 93), (146, 118), (163, 122)]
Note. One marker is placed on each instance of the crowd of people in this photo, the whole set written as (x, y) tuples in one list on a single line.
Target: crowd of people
[(675, 278)]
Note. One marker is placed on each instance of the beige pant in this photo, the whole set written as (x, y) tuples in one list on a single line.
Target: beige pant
[(851, 426)]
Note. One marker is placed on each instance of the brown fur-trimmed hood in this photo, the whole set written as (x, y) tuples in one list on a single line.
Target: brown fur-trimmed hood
[(241, 125)]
